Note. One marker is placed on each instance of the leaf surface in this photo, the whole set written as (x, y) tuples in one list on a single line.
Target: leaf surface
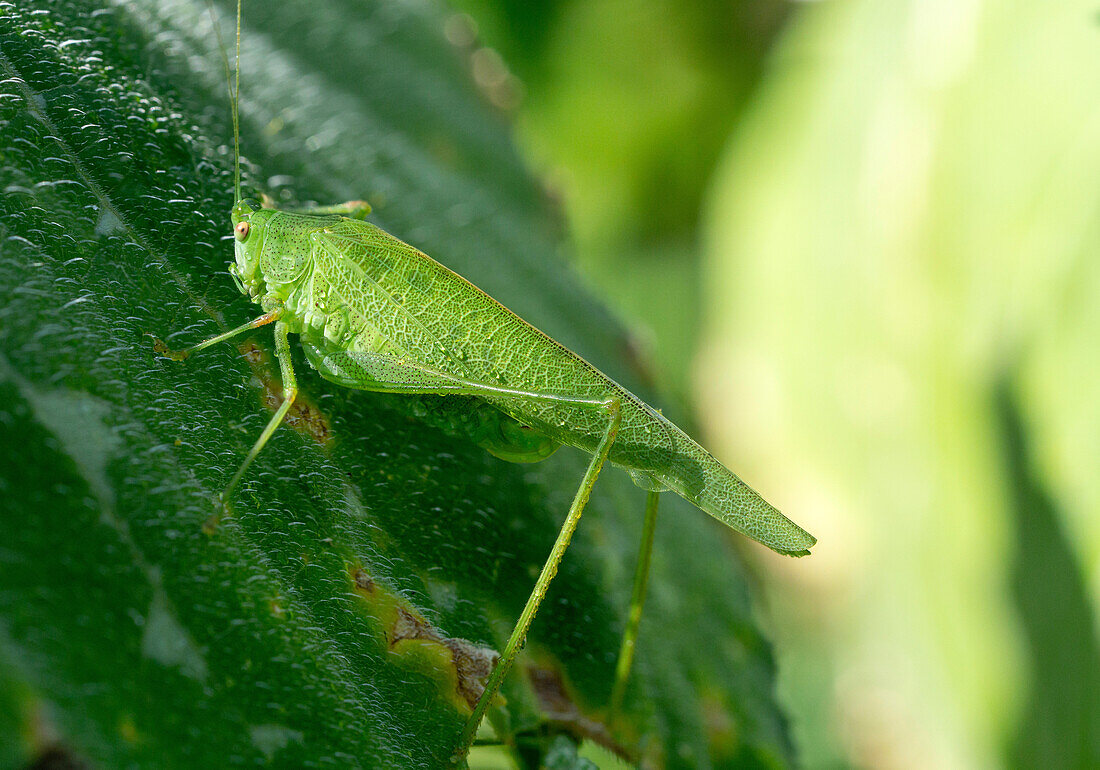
[(321, 624)]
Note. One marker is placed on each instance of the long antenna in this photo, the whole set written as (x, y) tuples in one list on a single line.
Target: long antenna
[(236, 120), (234, 90)]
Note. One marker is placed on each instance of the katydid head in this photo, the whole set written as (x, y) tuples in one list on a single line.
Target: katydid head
[(248, 237)]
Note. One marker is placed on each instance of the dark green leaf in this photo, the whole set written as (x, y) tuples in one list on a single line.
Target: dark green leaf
[(319, 624)]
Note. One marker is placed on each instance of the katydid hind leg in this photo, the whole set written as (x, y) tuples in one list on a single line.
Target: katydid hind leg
[(384, 373), (542, 584), (637, 600), (350, 209)]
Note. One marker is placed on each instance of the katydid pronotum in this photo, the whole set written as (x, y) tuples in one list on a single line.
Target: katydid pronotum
[(376, 314)]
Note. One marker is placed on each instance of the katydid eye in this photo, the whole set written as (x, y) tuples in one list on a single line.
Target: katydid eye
[(241, 230)]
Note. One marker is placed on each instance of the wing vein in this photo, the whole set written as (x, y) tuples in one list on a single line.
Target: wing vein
[(339, 262)]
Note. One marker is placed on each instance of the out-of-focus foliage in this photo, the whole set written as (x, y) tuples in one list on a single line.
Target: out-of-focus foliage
[(1059, 724), (626, 107), (902, 330), (909, 216), (315, 625)]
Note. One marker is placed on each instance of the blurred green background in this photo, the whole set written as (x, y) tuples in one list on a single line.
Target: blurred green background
[(863, 238)]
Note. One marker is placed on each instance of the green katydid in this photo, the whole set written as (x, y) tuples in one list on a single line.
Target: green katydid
[(376, 314)]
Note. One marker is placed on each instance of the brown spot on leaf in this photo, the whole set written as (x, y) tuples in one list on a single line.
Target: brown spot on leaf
[(46, 746), (363, 581), (459, 666), (559, 705), (57, 758), (253, 353), (304, 416), (210, 526), (410, 625), (473, 664)]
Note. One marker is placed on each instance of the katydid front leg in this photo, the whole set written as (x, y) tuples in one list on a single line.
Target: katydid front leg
[(181, 355), (290, 392), (290, 382)]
